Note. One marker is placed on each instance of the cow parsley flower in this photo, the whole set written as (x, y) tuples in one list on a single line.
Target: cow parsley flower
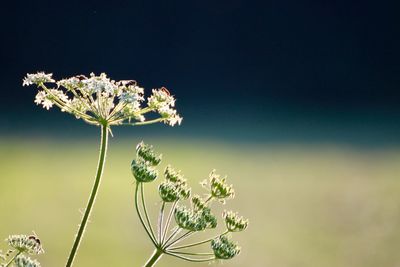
[(101, 101), (23, 243), (38, 78)]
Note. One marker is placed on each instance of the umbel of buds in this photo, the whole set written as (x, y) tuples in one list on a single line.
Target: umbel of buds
[(143, 166), (174, 187), (20, 247), (24, 261), (173, 190), (224, 249), (99, 100), (233, 222)]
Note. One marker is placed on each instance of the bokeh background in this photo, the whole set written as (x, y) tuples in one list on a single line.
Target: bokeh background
[(296, 101)]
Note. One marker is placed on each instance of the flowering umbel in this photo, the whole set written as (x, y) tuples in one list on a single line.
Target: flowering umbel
[(99, 100), (197, 217), (20, 247)]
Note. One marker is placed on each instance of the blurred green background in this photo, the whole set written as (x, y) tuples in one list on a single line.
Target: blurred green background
[(309, 205), (296, 101)]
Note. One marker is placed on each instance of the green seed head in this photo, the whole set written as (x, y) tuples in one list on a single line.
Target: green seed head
[(233, 222), (147, 154), (23, 243), (143, 172), (223, 248), (23, 261)]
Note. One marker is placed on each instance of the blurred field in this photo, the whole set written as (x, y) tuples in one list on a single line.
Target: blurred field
[(322, 206)]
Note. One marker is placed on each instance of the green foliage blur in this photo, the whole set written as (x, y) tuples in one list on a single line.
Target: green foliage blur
[(315, 205)]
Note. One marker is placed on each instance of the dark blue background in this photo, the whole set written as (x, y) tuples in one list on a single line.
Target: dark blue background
[(254, 70)]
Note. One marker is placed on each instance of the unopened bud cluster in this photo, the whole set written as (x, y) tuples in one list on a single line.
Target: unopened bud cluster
[(24, 261), (218, 187), (224, 249), (233, 222), (198, 217), (195, 220), (143, 167), (174, 187)]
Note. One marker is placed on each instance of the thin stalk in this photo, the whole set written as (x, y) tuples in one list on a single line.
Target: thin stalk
[(92, 198), (141, 217), (144, 122), (160, 222), (13, 258), (182, 237), (189, 259), (192, 254), (168, 221), (199, 243), (154, 258), (177, 230), (146, 214)]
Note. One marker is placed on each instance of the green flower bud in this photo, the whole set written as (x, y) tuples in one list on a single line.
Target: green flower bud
[(223, 248), (172, 175), (143, 172), (209, 219), (233, 222), (22, 243), (169, 192), (219, 188), (175, 186), (195, 221), (23, 261), (198, 203), (146, 153)]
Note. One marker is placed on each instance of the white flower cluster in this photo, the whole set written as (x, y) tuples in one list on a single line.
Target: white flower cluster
[(23, 243), (100, 100)]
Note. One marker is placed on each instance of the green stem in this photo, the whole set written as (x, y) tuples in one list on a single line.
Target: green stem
[(182, 237), (13, 258), (160, 221), (92, 198), (154, 258), (198, 243), (189, 259), (146, 214), (140, 215), (168, 221)]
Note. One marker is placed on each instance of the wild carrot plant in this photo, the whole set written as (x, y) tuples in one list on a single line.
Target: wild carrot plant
[(196, 218), (105, 103)]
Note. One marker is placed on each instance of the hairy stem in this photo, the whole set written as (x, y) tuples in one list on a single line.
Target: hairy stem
[(154, 258), (92, 198)]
